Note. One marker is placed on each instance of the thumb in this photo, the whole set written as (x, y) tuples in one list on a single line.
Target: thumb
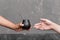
[(46, 21), (21, 24)]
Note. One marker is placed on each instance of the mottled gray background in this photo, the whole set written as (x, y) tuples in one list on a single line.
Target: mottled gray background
[(17, 10)]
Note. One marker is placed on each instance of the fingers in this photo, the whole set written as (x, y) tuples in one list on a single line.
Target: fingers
[(18, 30), (46, 21), (43, 25), (37, 25), (20, 24)]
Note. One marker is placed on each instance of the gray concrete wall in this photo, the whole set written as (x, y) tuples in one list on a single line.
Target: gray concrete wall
[(29, 9)]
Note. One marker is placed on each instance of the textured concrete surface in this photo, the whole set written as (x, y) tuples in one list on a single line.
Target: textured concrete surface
[(30, 37), (17, 10)]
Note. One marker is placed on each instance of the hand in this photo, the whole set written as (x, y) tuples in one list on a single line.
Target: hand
[(45, 24), (19, 27)]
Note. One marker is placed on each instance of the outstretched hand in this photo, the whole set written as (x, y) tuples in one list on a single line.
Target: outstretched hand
[(45, 24)]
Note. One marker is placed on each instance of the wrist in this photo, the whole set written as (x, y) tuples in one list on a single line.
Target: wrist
[(55, 26), (18, 26)]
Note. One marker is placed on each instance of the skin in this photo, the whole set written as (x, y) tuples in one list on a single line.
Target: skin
[(8, 24), (46, 24)]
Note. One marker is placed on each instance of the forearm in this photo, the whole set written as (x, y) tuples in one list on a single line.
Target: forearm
[(56, 27), (7, 23)]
